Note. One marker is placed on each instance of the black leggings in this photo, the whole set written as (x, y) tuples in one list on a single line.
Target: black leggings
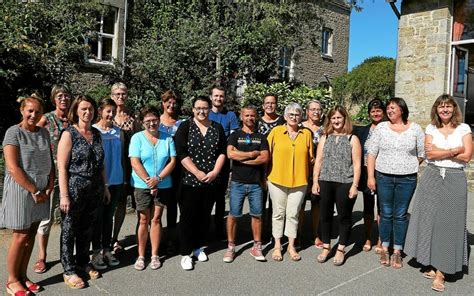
[(338, 193), (195, 205)]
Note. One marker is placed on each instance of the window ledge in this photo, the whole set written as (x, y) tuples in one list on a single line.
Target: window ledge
[(97, 63), (327, 57)]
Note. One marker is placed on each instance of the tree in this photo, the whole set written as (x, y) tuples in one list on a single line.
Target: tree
[(373, 78), (187, 45), (41, 44)]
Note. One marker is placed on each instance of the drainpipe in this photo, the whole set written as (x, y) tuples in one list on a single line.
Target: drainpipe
[(394, 7), (124, 34)]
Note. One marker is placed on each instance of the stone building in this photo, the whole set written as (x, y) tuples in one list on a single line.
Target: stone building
[(316, 63), (434, 41)]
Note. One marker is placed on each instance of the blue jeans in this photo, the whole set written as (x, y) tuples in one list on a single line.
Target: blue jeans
[(238, 191), (394, 196)]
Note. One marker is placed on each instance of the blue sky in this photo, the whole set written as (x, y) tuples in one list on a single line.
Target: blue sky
[(373, 32)]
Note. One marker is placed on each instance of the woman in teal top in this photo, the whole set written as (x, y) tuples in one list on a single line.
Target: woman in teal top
[(153, 157)]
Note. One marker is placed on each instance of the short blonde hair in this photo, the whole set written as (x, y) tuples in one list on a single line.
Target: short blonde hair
[(118, 85)]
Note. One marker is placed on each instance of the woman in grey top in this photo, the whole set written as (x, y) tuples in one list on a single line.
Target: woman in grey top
[(29, 180), (395, 150), (335, 177)]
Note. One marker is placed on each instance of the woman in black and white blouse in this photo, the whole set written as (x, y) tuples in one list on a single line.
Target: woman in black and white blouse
[(201, 147)]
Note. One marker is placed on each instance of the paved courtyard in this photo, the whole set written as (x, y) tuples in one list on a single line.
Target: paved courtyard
[(360, 275)]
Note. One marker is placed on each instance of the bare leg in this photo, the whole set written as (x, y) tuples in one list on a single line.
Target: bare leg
[(231, 228), (42, 246), (256, 229), (15, 254), (155, 230), (142, 233)]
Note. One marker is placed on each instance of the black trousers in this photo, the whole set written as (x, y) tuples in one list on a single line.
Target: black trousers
[(172, 205), (335, 193), (195, 205), (219, 198)]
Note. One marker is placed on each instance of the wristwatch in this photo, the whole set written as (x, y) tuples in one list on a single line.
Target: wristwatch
[(159, 178)]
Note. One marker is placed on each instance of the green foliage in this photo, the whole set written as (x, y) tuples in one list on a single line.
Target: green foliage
[(302, 94), (373, 78), (188, 45), (99, 92)]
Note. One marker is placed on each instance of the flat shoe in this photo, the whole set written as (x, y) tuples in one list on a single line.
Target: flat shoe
[(16, 293), (378, 250), (322, 258), (397, 262), (431, 274), (339, 262), (438, 285), (384, 258), (318, 244), (155, 262), (140, 263), (276, 255), (294, 256), (73, 281), (40, 266), (33, 287), (93, 274)]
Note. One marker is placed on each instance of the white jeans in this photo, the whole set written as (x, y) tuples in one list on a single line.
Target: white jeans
[(286, 207)]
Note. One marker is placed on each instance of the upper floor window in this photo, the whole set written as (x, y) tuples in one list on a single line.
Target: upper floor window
[(327, 42), (286, 64), (103, 49)]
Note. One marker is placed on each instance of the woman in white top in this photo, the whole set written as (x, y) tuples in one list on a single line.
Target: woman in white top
[(394, 152), (437, 232)]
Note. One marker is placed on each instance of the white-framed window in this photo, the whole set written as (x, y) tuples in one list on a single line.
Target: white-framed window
[(327, 42), (286, 64), (103, 49)]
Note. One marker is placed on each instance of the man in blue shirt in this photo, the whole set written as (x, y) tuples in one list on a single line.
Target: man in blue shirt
[(230, 123)]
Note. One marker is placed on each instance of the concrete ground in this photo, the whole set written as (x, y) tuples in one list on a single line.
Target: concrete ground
[(360, 275)]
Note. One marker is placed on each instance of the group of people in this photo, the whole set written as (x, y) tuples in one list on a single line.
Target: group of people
[(88, 157)]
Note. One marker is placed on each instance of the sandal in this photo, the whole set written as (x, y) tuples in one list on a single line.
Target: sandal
[(93, 274), (294, 255), (318, 243), (368, 246), (16, 293), (117, 248), (155, 262), (339, 262), (438, 285), (140, 263), (276, 255), (40, 266), (73, 281), (397, 261), (324, 255), (384, 258), (431, 274), (378, 250), (32, 287)]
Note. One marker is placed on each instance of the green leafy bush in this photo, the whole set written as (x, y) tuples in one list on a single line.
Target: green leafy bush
[(286, 93)]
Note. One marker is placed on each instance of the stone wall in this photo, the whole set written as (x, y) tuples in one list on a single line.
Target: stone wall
[(310, 65), (422, 70)]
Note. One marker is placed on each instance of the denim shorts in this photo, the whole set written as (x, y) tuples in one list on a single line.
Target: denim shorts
[(238, 191)]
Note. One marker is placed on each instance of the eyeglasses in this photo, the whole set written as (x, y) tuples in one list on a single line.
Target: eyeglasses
[(120, 95), (201, 110), (63, 97), (315, 110), (151, 122), (293, 115)]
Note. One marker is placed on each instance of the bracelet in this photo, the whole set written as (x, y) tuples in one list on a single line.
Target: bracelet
[(36, 193)]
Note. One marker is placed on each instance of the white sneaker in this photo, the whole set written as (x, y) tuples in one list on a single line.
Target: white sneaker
[(187, 262), (98, 262), (200, 255), (110, 259)]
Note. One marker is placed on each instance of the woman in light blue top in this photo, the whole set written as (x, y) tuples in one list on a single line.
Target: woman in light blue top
[(113, 144), (153, 156)]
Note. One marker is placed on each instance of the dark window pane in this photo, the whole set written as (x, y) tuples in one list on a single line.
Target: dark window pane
[(106, 49), (109, 22)]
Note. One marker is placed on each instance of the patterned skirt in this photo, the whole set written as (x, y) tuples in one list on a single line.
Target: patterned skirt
[(437, 233)]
